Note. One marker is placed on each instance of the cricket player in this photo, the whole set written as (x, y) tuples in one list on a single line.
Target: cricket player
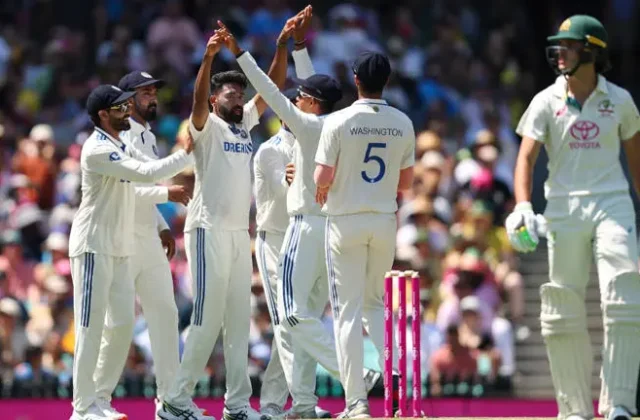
[(101, 245), (582, 120), (365, 157), (303, 291), (216, 232), (273, 174), (150, 265)]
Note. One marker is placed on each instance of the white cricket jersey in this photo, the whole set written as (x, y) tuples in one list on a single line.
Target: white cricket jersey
[(270, 183), (222, 191), (301, 197), (104, 222), (148, 220), (368, 144), (583, 145)]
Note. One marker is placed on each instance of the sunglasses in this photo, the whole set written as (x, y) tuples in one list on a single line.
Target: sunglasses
[(306, 95), (123, 107)]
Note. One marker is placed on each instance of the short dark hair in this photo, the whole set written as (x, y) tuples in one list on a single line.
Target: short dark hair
[(372, 88), (95, 119), (326, 107), (233, 76)]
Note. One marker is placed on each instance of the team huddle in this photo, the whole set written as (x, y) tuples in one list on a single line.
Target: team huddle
[(325, 187)]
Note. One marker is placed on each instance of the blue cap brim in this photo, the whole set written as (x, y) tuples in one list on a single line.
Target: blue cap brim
[(157, 82), (123, 97)]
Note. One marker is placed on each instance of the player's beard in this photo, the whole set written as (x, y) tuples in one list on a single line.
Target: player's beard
[(149, 113), (120, 124), (233, 115)]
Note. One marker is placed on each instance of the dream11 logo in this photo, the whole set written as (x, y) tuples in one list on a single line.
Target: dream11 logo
[(584, 132)]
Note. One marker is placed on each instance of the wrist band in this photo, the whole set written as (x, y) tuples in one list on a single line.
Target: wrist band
[(298, 43)]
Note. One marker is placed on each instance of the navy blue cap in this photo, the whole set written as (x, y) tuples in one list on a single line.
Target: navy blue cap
[(373, 69), (291, 94), (106, 96), (321, 87), (138, 79)]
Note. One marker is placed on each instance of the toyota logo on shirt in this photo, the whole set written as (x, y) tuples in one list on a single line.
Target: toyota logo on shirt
[(584, 130)]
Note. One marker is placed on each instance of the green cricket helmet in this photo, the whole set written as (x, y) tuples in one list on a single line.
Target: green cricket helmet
[(594, 38)]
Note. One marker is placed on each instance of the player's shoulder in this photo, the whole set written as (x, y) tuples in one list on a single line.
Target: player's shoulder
[(393, 112), (618, 94), (97, 143)]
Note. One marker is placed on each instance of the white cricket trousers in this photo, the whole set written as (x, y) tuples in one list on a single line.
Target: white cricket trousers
[(103, 310), (154, 287), (582, 229), (303, 294), (220, 265), (279, 373), (360, 250)]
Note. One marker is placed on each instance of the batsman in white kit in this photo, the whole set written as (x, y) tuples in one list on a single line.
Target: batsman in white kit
[(365, 157), (150, 266), (303, 284), (101, 246), (582, 120), (217, 236)]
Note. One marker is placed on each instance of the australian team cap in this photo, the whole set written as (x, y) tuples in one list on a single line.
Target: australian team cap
[(582, 28)]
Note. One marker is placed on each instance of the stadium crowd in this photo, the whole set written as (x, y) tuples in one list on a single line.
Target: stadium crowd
[(459, 71)]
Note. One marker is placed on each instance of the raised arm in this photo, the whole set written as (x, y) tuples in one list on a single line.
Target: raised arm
[(278, 70), (201, 92), (301, 59)]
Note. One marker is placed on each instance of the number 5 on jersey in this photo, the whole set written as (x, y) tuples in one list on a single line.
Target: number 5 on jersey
[(371, 156)]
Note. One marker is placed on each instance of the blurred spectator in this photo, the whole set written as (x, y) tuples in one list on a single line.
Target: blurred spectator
[(35, 160), (13, 339), (32, 379), (18, 271), (452, 362), (173, 38)]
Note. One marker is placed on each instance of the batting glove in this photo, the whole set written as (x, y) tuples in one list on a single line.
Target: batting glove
[(522, 228)]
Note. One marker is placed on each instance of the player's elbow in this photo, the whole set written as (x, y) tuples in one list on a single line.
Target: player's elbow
[(323, 175)]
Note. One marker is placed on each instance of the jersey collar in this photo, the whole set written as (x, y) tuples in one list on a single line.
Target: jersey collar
[(137, 127), (115, 141), (371, 101), (560, 86)]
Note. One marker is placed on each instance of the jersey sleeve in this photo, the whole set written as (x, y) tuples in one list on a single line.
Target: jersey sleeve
[(154, 195), (297, 120), (409, 155), (162, 224), (199, 134), (535, 120), (303, 64), (629, 118), (329, 144), (109, 162), (136, 154), (251, 117), (271, 165)]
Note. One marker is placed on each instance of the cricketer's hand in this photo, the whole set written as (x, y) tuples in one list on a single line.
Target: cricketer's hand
[(522, 228)]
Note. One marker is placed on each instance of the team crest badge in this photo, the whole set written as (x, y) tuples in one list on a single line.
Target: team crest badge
[(145, 74), (565, 25), (605, 108)]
